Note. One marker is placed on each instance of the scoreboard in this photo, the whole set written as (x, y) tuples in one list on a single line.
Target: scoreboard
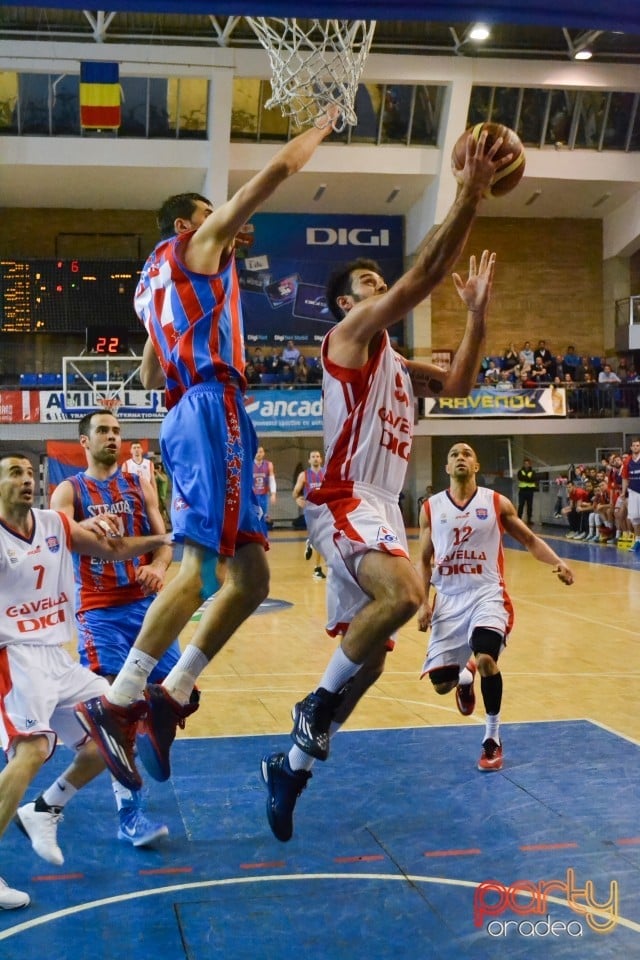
[(68, 296)]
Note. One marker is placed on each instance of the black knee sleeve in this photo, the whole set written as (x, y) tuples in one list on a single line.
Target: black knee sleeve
[(487, 641)]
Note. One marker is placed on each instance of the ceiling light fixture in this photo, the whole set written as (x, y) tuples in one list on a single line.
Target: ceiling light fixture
[(479, 31), (319, 192), (583, 55)]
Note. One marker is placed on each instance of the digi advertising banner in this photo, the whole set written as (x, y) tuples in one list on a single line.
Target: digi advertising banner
[(284, 267)]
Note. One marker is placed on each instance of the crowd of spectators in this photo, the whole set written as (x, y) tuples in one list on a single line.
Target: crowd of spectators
[(596, 386), (288, 367), (590, 497)]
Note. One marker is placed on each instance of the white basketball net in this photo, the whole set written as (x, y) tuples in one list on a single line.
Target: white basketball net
[(315, 63)]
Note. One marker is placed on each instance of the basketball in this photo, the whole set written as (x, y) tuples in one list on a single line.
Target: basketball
[(511, 175)]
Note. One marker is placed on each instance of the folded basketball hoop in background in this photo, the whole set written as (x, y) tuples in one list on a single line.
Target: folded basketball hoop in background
[(315, 63)]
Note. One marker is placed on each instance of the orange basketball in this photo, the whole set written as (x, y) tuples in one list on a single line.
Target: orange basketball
[(511, 175)]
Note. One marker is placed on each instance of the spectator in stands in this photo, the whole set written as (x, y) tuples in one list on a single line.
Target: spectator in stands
[(491, 374), (287, 375), (301, 370), (607, 375), (252, 375), (505, 380), (575, 496), (539, 374), (557, 368), (510, 358), (291, 354), (258, 360), (623, 370), (542, 351), (584, 508), (582, 369), (314, 371), (587, 397), (570, 360), (273, 363), (600, 526), (521, 373), (526, 354)]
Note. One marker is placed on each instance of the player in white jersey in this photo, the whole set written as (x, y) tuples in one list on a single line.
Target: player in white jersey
[(354, 518), (139, 464), (461, 556), (40, 684)]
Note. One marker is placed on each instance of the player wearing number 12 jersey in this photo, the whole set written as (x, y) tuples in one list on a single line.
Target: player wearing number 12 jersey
[(461, 556)]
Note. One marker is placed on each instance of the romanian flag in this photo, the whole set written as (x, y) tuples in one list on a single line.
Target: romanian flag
[(99, 96)]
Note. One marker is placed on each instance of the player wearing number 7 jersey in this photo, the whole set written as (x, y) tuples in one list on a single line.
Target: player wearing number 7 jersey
[(39, 682), (461, 556)]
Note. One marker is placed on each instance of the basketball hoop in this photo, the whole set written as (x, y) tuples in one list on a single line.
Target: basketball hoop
[(110, 404), (314, 64)]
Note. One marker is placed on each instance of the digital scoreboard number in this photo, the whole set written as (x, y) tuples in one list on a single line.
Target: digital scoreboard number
[(108, 341)]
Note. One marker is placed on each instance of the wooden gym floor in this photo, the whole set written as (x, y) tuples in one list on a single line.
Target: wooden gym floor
[(401, 847)]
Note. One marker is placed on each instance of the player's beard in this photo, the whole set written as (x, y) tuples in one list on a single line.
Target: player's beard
[(107, 457)]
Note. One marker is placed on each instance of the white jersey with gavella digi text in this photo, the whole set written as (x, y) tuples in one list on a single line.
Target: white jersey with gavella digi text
[(368, 420), (36, 582), (467, 542)]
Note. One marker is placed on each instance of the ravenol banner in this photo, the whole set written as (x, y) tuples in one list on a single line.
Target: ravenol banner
[(99, 96), (287, 259), (486, 402)]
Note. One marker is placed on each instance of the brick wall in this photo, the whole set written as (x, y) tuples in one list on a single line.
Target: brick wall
[(548, 286)]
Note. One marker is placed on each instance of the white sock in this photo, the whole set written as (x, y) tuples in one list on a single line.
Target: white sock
[(181, 680), (338, 671), (121, 793), (59, 793), (465, 677), (298, 760), (130, 683), (492, 727)]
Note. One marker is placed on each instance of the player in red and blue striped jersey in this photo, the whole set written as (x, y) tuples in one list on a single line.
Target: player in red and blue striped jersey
[(113, 596), (188, 299)]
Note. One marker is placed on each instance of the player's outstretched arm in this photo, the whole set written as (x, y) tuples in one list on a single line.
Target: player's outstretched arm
[(535, 545), (440, 250), (425, 556), (219, 230), (475, 292), (106, 544)]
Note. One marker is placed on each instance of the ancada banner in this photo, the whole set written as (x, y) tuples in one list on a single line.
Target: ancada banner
[(487, 402), (291, 410), (287, 260)]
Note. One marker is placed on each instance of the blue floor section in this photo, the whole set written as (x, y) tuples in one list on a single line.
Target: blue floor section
[(396, 840), (607, 555)]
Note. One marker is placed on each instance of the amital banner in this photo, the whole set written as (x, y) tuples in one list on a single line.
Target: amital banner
[(486, 402), (285, 264)]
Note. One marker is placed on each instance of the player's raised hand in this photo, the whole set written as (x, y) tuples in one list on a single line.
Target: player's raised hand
[(475, 291)]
